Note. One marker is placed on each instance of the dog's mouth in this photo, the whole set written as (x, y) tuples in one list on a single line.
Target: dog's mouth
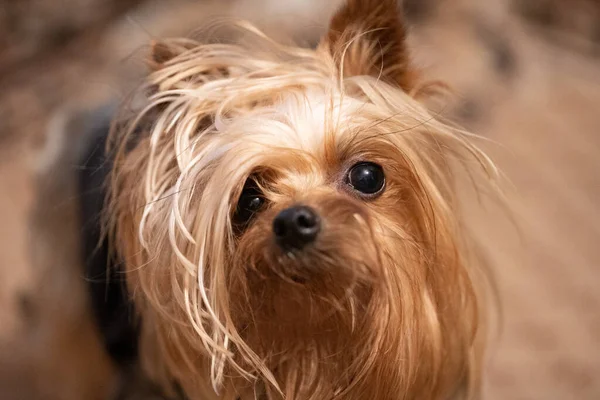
[(298, 279)]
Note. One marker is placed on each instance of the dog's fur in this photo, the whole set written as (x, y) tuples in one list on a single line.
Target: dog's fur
[(384, 305)]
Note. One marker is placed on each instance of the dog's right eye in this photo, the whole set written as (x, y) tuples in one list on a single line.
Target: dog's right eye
[(251, 202)]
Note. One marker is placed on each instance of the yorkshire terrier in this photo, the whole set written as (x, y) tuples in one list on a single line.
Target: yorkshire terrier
[(287, 221)]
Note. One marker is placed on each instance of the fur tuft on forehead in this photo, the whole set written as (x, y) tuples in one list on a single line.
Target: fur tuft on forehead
[(201, 89)]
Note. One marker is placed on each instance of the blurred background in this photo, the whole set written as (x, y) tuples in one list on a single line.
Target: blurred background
[(525, 74)]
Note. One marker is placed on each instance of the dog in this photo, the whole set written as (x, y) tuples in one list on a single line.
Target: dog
[(287, 224)]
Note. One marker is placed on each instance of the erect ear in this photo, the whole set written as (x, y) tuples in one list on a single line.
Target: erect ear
[(161, 52), (368, 37)]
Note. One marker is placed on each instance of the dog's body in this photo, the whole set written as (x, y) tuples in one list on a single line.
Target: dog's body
[(286, 222), (108, 294)]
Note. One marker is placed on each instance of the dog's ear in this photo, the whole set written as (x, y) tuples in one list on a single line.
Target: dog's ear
[(368, 37), (161, 52)]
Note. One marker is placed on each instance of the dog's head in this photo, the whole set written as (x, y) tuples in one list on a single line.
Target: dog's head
[(287, 218)]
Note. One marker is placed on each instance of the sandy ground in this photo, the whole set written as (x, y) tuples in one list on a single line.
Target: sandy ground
[(542, 120)]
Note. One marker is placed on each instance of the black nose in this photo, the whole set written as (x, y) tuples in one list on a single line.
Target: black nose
[(296, 227)]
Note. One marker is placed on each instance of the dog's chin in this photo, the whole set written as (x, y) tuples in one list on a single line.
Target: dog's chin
[(304, 296), (312, 270)]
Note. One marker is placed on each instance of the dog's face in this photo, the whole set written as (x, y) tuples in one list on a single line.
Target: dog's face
[(288, 223)]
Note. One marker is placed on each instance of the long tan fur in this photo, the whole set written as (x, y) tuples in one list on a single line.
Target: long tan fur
[(384, 306)]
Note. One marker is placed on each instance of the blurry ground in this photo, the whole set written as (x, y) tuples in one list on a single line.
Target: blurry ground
[(533, 89)]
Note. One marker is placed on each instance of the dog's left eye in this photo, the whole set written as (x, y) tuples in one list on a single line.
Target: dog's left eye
[(251, 201), (367, 178)]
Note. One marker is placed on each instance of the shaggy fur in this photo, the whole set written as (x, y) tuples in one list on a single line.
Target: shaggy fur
[(385, 304)]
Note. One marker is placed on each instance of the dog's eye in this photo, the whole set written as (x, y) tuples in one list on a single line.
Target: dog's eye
[(367, 178), (251, 201)]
